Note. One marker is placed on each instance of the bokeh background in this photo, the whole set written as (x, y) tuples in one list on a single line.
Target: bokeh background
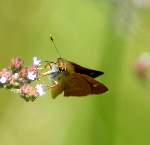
[(107, 35)]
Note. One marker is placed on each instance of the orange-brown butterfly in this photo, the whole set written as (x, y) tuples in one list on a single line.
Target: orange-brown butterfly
[(73, 79)]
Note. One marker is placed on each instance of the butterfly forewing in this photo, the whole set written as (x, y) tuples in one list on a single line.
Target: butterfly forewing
[(83, 70)]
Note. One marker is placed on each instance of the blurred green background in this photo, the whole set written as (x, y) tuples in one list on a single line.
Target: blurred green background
[(107, 35)]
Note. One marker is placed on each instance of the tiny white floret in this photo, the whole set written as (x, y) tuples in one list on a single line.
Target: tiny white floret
[(40, 89), (36, 61), (3, 80), (31, 75)]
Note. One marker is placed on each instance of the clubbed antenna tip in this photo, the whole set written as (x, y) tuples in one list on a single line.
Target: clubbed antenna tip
[(51, 37)]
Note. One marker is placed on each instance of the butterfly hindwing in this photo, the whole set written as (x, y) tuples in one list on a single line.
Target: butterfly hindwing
[(82, 85), (76, 85), (96, 86), (56, 90)]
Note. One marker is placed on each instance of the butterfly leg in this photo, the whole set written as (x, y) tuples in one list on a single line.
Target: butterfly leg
[(45, 73), (53, 84)]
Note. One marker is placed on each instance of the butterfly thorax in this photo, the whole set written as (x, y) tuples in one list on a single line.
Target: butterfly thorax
[(65, 65)]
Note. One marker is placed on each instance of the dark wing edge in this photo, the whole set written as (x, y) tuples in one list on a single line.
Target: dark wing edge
[(83, 70)]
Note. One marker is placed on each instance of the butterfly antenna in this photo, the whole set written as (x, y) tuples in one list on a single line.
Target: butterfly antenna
[(51, 38)]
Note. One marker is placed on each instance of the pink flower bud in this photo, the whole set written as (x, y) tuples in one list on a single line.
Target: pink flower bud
[(5, 76), (29, 92), (143, 66), (16, 64)]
